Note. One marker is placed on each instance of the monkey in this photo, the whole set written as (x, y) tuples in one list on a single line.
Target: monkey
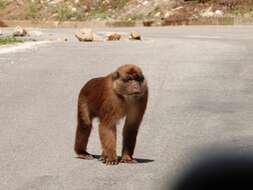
[(120, 94)]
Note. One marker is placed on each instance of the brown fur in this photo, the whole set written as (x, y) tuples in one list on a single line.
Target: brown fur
[(110, 98)]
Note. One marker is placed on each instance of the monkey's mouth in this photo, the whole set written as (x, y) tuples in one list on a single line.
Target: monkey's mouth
[(135, 94)]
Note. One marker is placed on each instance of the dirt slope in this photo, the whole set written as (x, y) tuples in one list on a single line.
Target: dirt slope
[(78, 10)]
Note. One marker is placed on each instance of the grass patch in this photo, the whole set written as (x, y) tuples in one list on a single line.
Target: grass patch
[(33, 12), (3, 4), (122, 3), (99, 14), (236, 12), (134, 17), (10, 40), (64, 13)]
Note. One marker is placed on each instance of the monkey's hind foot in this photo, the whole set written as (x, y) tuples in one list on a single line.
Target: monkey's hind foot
[(85, 156), (111, 162)]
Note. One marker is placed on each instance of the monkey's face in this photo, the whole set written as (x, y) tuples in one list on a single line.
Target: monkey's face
[(129, 82)]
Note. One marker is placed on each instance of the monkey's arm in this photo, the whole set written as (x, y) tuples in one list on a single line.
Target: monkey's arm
[(130, 130)]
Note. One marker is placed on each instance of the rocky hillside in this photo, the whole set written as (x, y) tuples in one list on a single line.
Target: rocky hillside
[(79, 10)]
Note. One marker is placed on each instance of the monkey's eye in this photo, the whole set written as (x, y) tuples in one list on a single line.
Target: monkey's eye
[(126, 79), (140, 78)]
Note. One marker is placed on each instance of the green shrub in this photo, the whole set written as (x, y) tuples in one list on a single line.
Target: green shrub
[(134, 17), (3, 4), (99, 13), (32, 12), (10, 40)]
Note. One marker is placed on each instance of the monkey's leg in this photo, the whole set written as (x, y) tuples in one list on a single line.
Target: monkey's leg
[(107, 134), (82, 133)]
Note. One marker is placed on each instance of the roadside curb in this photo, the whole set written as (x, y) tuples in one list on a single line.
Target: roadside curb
[(119, 23), (223, 21), (71, 24)]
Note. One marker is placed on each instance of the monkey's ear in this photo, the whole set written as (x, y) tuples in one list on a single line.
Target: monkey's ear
[(115, 75)]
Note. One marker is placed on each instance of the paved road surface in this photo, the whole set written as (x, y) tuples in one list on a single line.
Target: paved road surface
[(201, 93)]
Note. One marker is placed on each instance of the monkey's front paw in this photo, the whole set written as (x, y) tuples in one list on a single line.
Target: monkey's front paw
[(111, 162), (85, 156), (128, 159), (102, 159), (133, 161)]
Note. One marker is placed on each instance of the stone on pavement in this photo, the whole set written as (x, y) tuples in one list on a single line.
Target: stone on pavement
[(20, 32), (135, 36), (85, 35), (114, 36)]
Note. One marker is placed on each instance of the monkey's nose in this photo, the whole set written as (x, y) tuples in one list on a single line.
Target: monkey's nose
[(136, 90)]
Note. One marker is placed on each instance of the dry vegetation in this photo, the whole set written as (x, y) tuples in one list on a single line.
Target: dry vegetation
[(63, 10)]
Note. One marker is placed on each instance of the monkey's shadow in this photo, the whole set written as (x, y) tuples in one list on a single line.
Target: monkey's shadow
[(139, 160)]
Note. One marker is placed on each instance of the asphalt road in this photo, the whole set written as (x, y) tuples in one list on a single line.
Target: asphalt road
[(201, 94)]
